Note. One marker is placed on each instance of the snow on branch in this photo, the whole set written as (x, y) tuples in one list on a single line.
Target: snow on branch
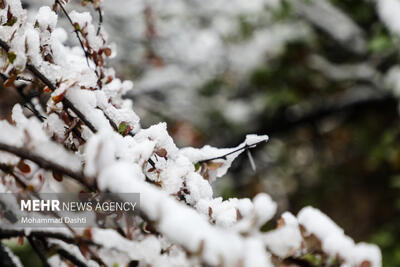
[(91, 134)]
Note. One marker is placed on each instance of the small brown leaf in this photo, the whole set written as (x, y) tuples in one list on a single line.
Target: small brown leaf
[(107, 51), (58, 98), (23, 167), (239, 216), (109, 79), (9, 14), (214, 165), (281, 223), (10, 81), (161, 152), (65, 117), (30, 188), (88, 233), (365, 264), (145, 228), (20, 240), (84, 248), (58, 176)]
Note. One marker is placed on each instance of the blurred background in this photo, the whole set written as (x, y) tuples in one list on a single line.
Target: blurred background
[(320, 77)]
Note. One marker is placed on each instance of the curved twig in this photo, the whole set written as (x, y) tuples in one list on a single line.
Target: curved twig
[(245, 147)]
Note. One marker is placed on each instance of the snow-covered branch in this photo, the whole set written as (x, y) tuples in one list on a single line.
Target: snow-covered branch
[(92, 135)]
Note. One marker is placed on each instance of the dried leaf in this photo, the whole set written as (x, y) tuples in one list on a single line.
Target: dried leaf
[(23, 167), (88, 233), (214, 165), (58, 176), (47, 89), (58, 98), (10, 81), (107, 51), (30, 188), (161, 152), (84, 248), (365, 264), (65, 117), (280, 223), (239, 216), (54, 7)]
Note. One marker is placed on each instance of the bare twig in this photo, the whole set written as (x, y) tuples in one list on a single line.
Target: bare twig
[(75, 31), (245, 147), (100, 20)]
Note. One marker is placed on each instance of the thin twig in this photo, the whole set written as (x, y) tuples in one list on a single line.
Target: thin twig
[(100, 21), (246, 146), (76, 31)]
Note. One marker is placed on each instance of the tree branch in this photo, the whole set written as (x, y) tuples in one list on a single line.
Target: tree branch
[(9, 233), (76, 32), (5, 258), (38, 250), (245, 147), (52, 87), (45, 163)]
